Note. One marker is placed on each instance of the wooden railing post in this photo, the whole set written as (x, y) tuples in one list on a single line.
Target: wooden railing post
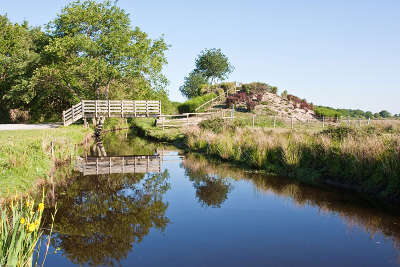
[(159, 111), (73, 117), (122, 108), (134, 107), (147, 108), (95, 103), (109, 113), (64, 118), (187, 119)]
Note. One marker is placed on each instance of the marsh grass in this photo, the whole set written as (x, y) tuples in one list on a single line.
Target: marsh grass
[(26, 155), (359, 159)]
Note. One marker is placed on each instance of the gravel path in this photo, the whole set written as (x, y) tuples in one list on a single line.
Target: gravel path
[(7, 127)]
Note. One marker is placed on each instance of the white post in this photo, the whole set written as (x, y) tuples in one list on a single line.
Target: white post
[(147, 108), (73, 117), (253, 119), (323, 121), (274, 121), (109, 113), (162, 119), (95, 102), (134, 107), (187, 119), (291, 122), (64, 117), (369, 120)]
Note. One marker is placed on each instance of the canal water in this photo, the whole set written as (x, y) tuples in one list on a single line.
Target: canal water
[(196, 212)]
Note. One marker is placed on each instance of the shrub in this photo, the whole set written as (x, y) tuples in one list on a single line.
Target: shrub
[(250, 104), (192, 104), (338, 133), (216, 125), (17, 115)]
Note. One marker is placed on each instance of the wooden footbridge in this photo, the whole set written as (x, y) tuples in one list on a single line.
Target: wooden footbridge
[(111, 109)]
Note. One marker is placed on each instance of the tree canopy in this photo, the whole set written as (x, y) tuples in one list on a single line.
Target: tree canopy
[(211, 65), (89, 51)]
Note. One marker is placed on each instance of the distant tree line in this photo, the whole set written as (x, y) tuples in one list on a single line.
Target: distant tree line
[(352, 113), (89, 51)]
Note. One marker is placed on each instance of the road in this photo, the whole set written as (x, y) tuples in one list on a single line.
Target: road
[(23, 126)]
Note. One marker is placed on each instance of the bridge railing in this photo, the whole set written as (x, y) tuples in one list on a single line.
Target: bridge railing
[(112, 108)]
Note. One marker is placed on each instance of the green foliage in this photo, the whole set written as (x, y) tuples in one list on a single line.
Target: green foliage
[(339, 133), (213, 65), (20, 233), (192, 104), (20, 55), (326, 111), (216, 125), (90, 51), (193, 84), (385, 114), (351, 113)]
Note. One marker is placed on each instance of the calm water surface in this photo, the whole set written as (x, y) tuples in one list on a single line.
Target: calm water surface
[(199, 213)]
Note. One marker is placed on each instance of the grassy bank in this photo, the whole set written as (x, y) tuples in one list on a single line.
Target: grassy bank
[(144, 127), (365, 159), (25, 155)]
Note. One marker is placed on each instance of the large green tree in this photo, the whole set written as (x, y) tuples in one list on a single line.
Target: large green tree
[(213, 64), (193, 83), (94, 53), (20, 49)]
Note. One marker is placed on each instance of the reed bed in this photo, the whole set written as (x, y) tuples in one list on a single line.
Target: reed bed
[(365, 159)]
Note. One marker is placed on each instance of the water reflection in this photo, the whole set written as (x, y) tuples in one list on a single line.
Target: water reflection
[(353, 209), (100, 218), (211, 191)]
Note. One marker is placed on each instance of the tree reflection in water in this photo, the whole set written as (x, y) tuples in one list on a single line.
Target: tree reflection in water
[(211, 191), (99, 218), (355, 210)]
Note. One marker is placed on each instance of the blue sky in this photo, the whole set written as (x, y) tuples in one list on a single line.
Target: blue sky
[(338, 53)]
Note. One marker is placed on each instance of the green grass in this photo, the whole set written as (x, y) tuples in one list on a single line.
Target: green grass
[(25, 155), (193, 103), (144, 127)]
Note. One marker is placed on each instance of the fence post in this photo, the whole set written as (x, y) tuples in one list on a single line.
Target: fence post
[(122, 108), (274, 122), (160, 107), (291, 122), (147, 108), (64, 118), (95, 103), (233, 111), (187, 119), (162, 119), (369, 119), (253, 119), (323, 121), (83, 108), (73, 117), (134, 107), (359, 122), (348, 121)]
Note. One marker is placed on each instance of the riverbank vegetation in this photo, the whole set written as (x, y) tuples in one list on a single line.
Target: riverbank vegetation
[(20, 232), (365, 159), (26, 155)]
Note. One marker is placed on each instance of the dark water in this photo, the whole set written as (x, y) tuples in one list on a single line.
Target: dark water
[(200, 213)]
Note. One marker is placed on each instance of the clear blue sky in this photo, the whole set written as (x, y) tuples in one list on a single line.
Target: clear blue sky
[(342, 53)]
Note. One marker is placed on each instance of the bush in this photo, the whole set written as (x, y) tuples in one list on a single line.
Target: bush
[(216, 125), (339, 133), (17, 115), (192, 104), (250, 104)]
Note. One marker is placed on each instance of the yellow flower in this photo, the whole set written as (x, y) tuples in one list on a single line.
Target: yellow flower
[(37, 223), (31, 227), (41, 207), (22, 221)]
